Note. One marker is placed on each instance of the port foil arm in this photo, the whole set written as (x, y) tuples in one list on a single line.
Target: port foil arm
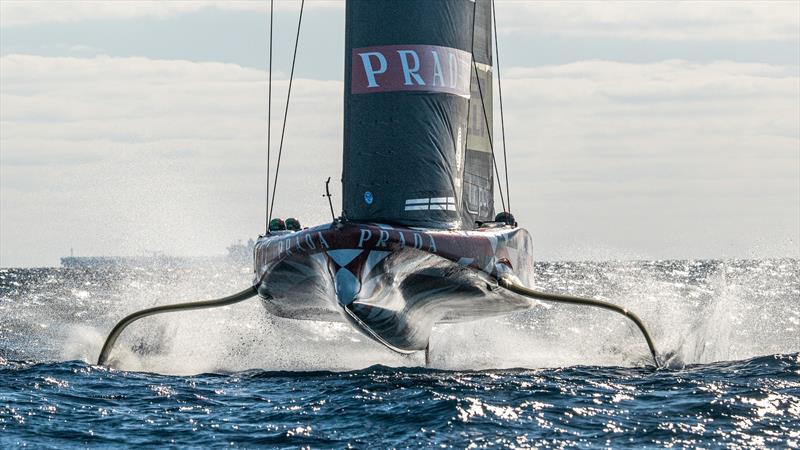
[(203, 304)]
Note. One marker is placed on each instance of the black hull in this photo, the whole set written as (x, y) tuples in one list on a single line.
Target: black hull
[(394, 284)]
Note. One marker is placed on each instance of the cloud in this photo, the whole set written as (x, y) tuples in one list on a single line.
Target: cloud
[(671, 121), (655, 20), (657, 155), (671, 100), (138, 99), (138, 154), (121, 155), (21, 13)]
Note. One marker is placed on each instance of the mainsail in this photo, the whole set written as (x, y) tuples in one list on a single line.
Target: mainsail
[(416, 133)]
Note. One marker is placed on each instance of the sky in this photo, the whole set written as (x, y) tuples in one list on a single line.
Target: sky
[(635, 130)]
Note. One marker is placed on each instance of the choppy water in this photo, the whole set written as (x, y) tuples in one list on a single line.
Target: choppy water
[(556, 376)]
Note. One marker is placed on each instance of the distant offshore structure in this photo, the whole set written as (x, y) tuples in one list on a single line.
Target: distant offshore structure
[(239, 254)]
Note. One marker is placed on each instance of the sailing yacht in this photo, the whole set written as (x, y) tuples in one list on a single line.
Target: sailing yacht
[(417, 242)]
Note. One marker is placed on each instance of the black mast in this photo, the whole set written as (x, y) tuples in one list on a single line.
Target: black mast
[(416, 146)]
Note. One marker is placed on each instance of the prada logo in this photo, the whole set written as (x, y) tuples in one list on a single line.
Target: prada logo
[(429, 68)]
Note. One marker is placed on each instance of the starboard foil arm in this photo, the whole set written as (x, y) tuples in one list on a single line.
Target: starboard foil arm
[(508, 283), (203, 304)]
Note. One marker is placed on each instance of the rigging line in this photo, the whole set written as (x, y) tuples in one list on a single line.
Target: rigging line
[(286, 110), (489, 135), (469, 106), (269, 113), (500, 92), (485, 118)]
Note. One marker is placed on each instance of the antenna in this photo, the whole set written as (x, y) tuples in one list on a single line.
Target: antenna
[(328, 194)]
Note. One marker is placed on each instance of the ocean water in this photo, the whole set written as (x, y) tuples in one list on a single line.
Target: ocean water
[(555, 376)]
